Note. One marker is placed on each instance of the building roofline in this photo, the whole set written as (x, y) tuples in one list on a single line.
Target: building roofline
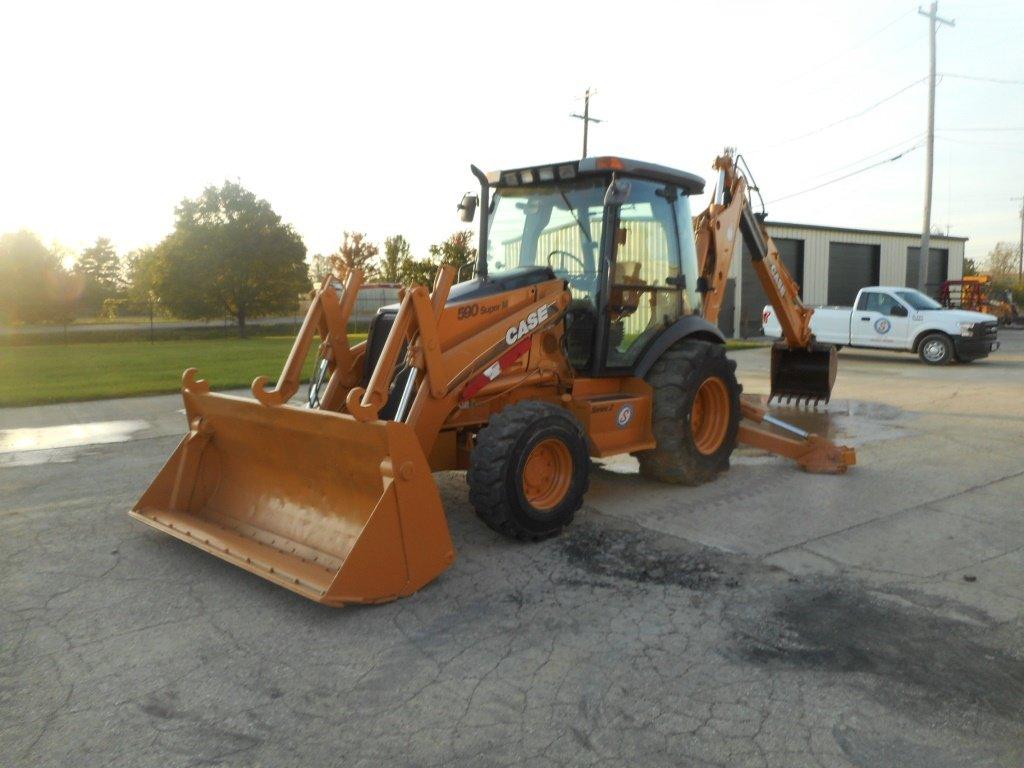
[(853, 230)]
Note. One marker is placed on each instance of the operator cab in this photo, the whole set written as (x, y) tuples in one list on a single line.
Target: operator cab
[(618, 231)]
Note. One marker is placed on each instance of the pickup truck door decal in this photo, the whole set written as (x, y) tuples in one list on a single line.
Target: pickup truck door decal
[(875, 325)]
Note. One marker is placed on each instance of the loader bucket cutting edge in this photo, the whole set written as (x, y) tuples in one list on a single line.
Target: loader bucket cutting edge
[(337, 510), (803, 374)]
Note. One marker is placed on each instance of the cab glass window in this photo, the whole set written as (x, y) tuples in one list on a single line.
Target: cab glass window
[(643, 294), (881, 302)]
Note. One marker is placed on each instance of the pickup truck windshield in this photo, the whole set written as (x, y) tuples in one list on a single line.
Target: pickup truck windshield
[(918, 300)]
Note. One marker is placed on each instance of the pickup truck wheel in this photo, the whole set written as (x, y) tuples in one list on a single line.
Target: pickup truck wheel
[(696, 414), (935, 349)]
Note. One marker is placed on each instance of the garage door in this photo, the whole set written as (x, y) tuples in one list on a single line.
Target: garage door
[(753, 296), (851, 266), (938, 268)]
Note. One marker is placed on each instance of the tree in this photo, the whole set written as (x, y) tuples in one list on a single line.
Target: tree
[(100, 263), (319, 267), (417, 272), (142, 273), (457, 251), (101, 272), (1003, 260), (230, 253), (396, 252), (355, 253), (34, 286), (970, 267)]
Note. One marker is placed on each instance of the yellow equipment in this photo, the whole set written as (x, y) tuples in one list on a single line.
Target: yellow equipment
[(580, 335), (974, 293)]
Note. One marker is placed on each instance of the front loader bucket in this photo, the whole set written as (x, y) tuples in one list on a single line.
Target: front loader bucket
[(803, 374), (338, 510)]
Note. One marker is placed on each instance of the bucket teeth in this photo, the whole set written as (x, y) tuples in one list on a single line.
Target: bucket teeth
[(803, 375)]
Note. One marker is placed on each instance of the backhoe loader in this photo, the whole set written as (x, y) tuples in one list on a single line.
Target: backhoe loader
[(581, 335)]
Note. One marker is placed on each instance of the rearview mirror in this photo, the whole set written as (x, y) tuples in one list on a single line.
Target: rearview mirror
[(898, 311), (617, 192), (467, 208)]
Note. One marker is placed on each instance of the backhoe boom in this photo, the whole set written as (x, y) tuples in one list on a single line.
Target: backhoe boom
[(801, 368)]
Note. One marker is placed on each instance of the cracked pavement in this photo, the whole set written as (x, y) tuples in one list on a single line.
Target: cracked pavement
[(771, 618)]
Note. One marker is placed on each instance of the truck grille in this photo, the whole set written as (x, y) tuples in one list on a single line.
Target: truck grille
[(987, 331)]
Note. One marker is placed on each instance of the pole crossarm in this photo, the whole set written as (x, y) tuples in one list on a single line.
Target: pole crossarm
[(586, 118)]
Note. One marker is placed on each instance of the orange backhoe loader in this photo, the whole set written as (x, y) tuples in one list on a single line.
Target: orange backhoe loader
[(581, 335)]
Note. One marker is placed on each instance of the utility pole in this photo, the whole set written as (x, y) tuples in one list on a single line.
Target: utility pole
[(933, 21), (586, 118), (1020, 253)]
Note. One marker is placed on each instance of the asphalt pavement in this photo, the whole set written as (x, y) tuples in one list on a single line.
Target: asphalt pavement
[(771, 618)]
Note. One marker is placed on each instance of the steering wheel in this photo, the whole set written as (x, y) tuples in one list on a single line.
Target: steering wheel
[(562, 255)]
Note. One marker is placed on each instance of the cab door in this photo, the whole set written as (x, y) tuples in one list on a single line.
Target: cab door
[(879, 320), (645, 281)]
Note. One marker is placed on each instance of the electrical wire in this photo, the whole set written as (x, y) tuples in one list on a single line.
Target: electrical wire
[(1014, 150), (842, 53), (983, 130), (975, 78), (892, 159), (873, 155), (861, 113)]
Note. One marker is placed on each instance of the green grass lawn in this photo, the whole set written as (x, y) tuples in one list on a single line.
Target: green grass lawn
[(741, 344), (50, 373), (54, 373)]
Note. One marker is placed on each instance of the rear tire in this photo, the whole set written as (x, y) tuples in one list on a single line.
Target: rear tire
[(529, 470), (696, 414), (935, 349)]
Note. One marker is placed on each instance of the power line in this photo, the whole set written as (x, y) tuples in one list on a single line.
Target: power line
[(861, 113), (984, 130), (817, 67), (873, 155), (998, 80), (1014, 150), (892, 159), (880, 63)]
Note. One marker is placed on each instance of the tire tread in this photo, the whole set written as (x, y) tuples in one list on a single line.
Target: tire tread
[(489, 462)]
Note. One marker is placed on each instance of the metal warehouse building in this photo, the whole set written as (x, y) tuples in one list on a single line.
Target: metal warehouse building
[(832, 263)]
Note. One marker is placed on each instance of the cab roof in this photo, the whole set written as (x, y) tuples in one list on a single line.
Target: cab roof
[(549, 172)]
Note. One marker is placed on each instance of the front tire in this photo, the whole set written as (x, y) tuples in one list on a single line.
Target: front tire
[(696, 414), (935, 349), (529, 470)]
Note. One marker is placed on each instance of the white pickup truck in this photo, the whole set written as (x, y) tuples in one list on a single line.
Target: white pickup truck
[(901, 319)]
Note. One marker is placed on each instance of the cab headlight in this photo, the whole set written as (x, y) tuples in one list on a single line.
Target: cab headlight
[(966, 329)]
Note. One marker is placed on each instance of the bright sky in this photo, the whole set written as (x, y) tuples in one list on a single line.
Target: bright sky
[(366, 116)]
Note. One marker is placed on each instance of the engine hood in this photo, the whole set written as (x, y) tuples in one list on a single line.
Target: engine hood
[(959, 315)]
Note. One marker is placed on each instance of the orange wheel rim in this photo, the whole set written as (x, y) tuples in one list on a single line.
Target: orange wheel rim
[(547, 474), (709, 419)]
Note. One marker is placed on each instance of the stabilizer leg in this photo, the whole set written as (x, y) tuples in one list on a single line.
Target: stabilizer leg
[(812, 452)]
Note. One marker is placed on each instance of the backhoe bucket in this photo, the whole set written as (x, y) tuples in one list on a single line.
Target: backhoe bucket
[(338, 510), (803, 374)]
